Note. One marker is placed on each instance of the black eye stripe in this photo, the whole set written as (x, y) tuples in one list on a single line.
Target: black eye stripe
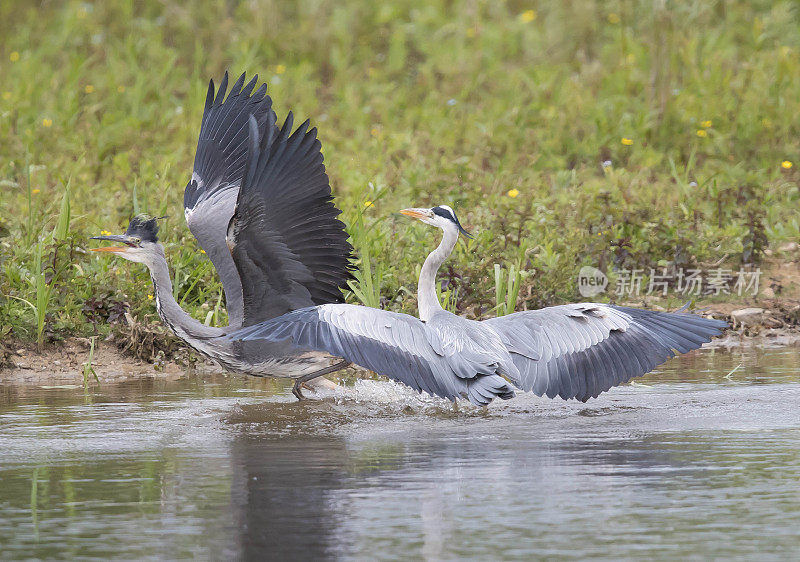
[(444, 213), (451, 216)]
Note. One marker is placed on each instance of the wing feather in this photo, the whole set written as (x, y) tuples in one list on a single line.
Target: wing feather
[(210, 196), (289, 248), (391, 344), (581, 350)]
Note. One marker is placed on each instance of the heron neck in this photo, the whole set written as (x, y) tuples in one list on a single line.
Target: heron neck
[(181, 323), (426, 291)]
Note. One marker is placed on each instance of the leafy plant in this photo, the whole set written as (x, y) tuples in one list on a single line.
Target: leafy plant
[(506, 289), (44, 277), (88, 368), (367, 284), (618, 178), (369, 274)]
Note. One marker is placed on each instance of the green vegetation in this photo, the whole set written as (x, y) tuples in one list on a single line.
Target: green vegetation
[(88, 368), (506, 113)]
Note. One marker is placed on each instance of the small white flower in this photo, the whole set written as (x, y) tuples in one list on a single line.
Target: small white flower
[(692, 184), (451, 101), (606, 163)]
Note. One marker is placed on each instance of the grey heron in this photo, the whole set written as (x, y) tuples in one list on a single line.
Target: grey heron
[(259, 204), (572, 351)]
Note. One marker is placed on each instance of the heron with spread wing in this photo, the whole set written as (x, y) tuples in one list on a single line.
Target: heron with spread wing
[(259, 203), (572, 351)]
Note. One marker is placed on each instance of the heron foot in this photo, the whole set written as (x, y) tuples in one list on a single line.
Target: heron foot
[(296, 389), (300, 382)]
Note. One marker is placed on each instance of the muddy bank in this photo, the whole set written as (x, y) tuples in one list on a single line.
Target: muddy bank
[(137, 351), (63, 363)]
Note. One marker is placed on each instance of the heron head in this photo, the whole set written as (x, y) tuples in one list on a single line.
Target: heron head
[(138, 244), (440, 216)]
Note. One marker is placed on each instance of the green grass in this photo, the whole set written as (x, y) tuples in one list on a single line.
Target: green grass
[(417, 103)]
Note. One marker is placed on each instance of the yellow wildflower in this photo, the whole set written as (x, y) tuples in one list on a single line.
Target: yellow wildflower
[(6, 95), (613, 18), (150, 297), (513, 193), (202, 251), (47, 122), (368, 203), (36, 191), (706, 124), (702, 133), (88, 88), (121, 89), (105, 233), (786, 164), (626, 141), (280, 69), (470, 32), (527, 16), (14, 56), (374, 132)]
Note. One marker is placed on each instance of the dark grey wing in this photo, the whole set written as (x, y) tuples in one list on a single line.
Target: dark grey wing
[(288, 246), (581, 350), (210, 197), (398, 346)]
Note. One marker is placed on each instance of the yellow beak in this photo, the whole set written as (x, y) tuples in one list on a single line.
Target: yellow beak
[(414, 213), (111, 249)]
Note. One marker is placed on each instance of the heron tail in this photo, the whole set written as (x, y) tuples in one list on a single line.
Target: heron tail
[(484, 388)]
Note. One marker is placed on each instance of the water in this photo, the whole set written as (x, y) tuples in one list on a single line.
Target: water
[(686, 464)]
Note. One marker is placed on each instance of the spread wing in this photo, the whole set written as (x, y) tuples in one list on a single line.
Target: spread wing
[(288, 246), (581, 350), (210, 196), (398, 346)]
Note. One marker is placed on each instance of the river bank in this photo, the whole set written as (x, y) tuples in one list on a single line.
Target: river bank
[(137, 351)]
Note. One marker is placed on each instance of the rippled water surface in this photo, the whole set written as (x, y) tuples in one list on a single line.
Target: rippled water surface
[(685, 464)]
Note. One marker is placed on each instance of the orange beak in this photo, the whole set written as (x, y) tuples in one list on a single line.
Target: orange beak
[(415, 213), (113, 238), (110, 249)]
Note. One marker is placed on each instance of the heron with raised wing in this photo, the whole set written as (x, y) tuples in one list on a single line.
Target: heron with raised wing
[(572, 351), (259, 203)]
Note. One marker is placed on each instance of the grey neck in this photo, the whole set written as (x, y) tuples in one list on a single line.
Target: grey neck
[(183, 325), (426, 291)]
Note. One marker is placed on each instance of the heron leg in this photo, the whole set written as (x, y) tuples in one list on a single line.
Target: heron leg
[(300, 381)]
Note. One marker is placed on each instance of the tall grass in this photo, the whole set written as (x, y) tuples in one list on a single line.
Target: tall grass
[(506, 289), (615, 134), (45, 274), (88, 366), (366, 286)]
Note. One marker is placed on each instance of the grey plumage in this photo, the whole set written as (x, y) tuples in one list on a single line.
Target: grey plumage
[(580, 350), (259, 203), (441, 357), (289, 248), (210, 196), (572, 351)]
